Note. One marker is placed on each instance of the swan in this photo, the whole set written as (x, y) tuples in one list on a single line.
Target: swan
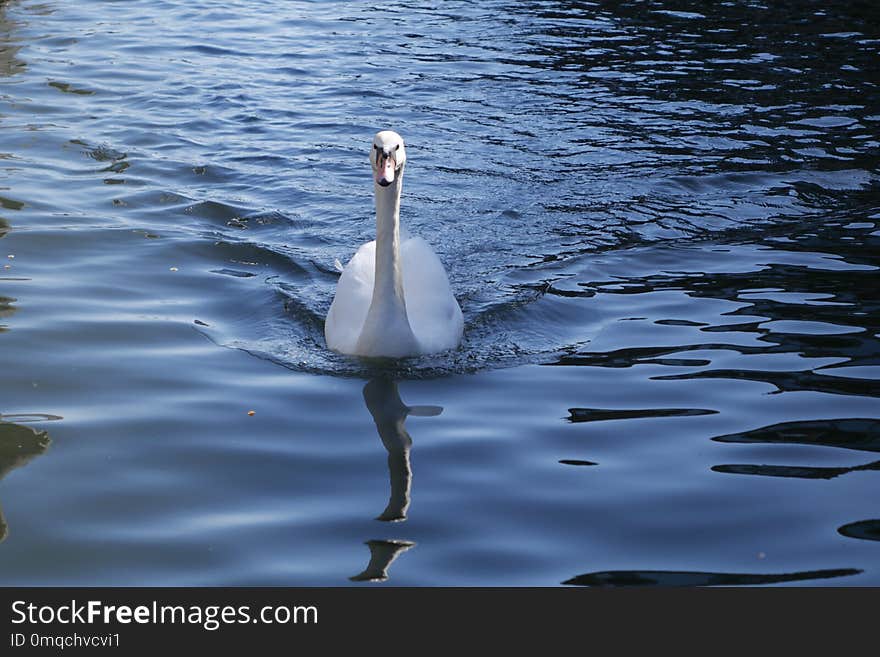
[(393, 298)]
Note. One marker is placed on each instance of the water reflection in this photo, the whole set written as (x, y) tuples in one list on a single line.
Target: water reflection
[(635, 87), (9, 63), (654, 131), (788, 325), (850, 433), (6, 309), (390, 413), (382, 398), (600, 414), (18, 445), (382, 554), (687, 578), (868, 530), (796, 471)]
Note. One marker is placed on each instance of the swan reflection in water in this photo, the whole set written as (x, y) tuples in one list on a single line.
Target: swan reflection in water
[(382, 554), (18, 445), (390, 413)]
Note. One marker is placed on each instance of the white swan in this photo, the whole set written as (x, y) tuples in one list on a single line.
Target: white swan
[(393, 298)]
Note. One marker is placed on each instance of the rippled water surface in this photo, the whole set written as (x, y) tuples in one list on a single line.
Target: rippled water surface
[(661, 220)]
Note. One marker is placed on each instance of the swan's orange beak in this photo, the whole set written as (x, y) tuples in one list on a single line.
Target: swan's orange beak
[(385, 170)]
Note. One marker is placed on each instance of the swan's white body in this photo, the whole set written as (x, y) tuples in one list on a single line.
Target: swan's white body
[(393, 298)]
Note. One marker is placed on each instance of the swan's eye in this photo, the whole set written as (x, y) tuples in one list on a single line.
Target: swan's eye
[(396, 148)]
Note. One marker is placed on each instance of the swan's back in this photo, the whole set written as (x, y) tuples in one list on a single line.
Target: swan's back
[(434, 314)]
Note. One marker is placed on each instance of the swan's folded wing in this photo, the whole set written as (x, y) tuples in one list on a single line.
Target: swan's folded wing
[(348, 312), (434, 314)]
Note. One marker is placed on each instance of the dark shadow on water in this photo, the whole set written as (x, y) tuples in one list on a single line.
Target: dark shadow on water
[(619, 578), (790, 381), (18, 445), (868, 530), (813, 300), (6, 309), (599, 414), (382, 399), (852, 433), (795, 471), (577, 462)]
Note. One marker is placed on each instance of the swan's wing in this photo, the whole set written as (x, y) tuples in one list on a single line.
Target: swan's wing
[(434, 314), (354, 291)]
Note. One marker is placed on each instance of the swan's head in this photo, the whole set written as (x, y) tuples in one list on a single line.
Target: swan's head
[(387, 156)]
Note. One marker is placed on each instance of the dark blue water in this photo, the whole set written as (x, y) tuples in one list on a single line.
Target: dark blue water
[(661, 221)]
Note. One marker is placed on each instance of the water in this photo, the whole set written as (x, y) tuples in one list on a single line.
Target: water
[(661, 221)]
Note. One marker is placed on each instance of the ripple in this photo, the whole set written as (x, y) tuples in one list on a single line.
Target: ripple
[(867, 372), (827, 121), (797, 472), (28, 417), (677, 223), (685, 578), (599, 414), (850, 433), (576, 462), (868, 530), (809, 328), (688, 15), (68, 88)]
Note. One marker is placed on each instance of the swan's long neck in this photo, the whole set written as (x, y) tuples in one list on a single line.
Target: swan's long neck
[(388, 286), (387, 331)]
